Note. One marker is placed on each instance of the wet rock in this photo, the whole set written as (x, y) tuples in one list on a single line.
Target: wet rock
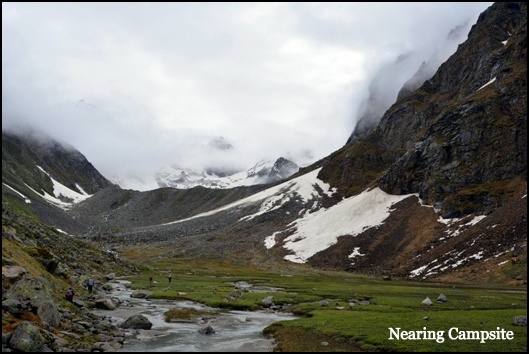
[(267, 301), (206, 330), (140, 294), (105, 304), (137, 322), (236, 293)]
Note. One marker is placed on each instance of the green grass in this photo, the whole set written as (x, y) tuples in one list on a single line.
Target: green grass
[(345, 328), (176, 314)]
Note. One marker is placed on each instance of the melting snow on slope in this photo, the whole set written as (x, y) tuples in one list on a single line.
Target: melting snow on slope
[(26, 199), (487, 84), (274, 197), (460, 228), (320, 230), (59, 190), (303, 187), (356, 253), (270, 241)]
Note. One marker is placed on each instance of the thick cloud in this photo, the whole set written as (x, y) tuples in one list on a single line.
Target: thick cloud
[(137, 86)]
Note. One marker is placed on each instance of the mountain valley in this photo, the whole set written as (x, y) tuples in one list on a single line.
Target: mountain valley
[(436, 192)]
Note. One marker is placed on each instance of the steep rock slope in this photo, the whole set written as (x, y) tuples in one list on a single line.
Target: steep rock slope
[(460, 140)]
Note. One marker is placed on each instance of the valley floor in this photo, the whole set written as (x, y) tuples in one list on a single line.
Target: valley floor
[(340, 311)]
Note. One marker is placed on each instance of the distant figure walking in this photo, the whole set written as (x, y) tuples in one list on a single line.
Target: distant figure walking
[(69, 294), (90, 285), (170, 278), (150, 281)]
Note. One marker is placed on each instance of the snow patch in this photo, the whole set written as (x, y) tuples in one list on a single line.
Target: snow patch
[(487, 84), (26, 199), (418, 271), (356, 253), (273, 198), (460, 228), (478, 255), (320, 230), (80, 189), (60, 190), (270, 241)]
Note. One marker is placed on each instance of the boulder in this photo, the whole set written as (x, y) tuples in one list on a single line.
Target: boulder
[(206, 330), (442, 298), (27, 338), (427, 302), (137, 322)]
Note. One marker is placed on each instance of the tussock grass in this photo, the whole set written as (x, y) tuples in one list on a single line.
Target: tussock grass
[(177, 314)]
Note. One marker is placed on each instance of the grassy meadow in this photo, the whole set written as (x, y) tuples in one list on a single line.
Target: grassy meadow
[(358, 312)]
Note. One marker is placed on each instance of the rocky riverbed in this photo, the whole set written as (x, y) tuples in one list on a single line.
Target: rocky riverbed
[(96, 321), (224, 331)]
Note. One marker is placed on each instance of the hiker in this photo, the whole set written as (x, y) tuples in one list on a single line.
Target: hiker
[(150, 281), (90, 285), (170, 278), (69, 294)]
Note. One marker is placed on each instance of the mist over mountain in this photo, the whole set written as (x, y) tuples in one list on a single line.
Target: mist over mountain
[(430, 189), (436, 190), (261, 173), (403, 76)]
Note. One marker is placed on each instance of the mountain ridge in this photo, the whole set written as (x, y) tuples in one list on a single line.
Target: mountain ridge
[(263, 172), (439, 170)]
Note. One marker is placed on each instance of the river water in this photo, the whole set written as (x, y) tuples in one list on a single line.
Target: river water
[(235, 331)]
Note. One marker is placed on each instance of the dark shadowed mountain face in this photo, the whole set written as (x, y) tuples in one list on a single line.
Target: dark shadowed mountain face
[(21, 153), (437, 190), (459, 140), (397, 79)]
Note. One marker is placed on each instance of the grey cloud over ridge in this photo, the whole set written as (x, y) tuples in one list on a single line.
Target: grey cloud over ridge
[(160, 81)]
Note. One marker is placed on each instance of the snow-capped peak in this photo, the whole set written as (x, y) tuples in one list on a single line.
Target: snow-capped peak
[(265, 171)]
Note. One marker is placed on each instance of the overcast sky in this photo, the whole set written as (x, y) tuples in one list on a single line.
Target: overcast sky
[(137, 86)]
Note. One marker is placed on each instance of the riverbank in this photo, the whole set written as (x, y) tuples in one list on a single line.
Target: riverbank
[(234, 331)]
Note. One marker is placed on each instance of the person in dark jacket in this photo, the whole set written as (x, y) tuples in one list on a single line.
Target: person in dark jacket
[(90, 285), (69, 294)]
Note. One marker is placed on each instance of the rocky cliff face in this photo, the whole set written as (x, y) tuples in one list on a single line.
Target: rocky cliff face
[(460, 140), (384, 88)]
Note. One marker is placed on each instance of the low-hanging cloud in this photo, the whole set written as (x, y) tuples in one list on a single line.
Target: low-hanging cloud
[(138, 86)]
